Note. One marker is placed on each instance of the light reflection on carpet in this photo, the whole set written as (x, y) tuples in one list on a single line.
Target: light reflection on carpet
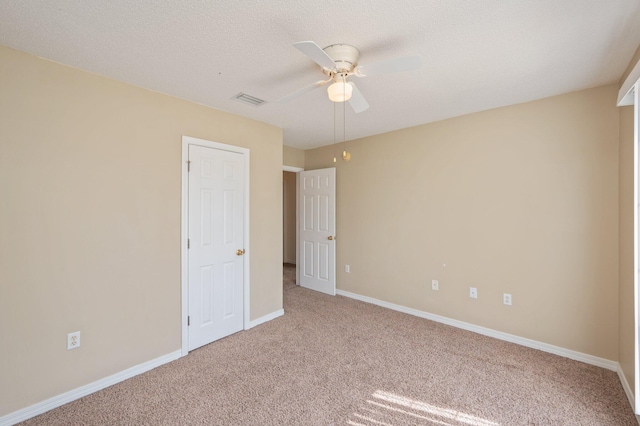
[(387, 409)]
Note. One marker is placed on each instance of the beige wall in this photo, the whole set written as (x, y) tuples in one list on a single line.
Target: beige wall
[(292, 157), (626, 292), (289, 221), (90, 173), (520, 200)]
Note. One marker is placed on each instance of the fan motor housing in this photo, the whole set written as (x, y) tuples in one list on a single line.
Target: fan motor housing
[(344, 55)]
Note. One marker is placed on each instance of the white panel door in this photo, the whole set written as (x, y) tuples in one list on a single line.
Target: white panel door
[(216, 227), (317, 229)]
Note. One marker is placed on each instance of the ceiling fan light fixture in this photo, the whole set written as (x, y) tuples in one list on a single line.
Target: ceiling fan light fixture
[(340, 91)]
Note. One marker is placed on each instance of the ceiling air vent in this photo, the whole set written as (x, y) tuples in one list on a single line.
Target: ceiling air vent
[(248, 99)]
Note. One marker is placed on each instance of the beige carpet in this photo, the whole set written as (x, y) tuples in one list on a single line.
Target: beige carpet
[(332, 360)]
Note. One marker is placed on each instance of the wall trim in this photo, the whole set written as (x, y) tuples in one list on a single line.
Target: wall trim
[(266, 318), (636, 243), (292, 169), (625, 386), (625, 94), (77, 393), (534, 344), (65, 398)]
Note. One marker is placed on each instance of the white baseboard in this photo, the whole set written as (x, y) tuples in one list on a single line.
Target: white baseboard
[(578, 356), (57, 401), (625, 386), (266, 318), (72, 395)]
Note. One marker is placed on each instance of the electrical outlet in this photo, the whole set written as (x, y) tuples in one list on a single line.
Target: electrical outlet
[(347, 268), (473, 292), (73, 340), (434, 285), (506, 299)]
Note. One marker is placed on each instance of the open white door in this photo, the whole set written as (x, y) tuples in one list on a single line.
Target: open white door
[(317, 229), (216, 244)]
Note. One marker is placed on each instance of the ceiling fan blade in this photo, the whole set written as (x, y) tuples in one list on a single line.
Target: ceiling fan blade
[(316, 54), (390, 66), (302, 91), (357, 101)]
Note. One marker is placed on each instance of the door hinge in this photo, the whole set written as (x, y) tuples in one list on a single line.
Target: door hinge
[(188, 320), (188, 243), (188, 165)]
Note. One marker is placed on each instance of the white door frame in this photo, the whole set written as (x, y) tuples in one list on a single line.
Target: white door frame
[(184, 234), (636, 248), (292, 169), (295, 170), (629, 94)]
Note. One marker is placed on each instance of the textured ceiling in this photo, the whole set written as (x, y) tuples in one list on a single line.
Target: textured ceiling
[(478, 54)]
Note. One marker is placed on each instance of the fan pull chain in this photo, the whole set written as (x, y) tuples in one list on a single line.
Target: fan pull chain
[(334, 133), (346, 155)]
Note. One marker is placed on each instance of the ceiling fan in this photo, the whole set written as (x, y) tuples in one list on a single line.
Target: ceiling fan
[(339, 62)]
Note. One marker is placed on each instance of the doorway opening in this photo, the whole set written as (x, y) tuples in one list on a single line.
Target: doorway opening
[(290, 223)]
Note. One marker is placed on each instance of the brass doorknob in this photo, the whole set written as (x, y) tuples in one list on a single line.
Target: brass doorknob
[(240, 252), (330, 238)]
